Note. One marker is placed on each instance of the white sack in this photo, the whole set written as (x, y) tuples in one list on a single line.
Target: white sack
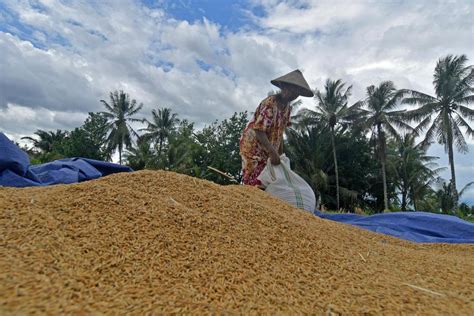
[(281, 182)]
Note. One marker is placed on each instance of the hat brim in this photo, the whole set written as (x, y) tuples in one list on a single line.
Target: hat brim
[(300, 90)]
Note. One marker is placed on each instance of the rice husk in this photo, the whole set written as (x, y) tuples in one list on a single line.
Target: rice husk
[(154, 242)]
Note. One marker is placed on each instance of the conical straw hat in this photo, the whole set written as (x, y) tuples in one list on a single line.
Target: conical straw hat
[(294, 78)]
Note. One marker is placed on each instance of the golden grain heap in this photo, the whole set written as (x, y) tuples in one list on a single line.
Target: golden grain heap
[(159, 242)]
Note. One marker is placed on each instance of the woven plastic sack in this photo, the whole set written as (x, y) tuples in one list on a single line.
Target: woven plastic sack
[(281, 182)]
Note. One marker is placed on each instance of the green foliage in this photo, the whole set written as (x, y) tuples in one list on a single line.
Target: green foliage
[(96, 129), (358, 170), (89, 140), (310, 152), (140, 156), (219, 148), (171, 144), (77, 145), (47, 141), (47, 145), (429, 201), (161, 127), (181, 152), (414, 171)]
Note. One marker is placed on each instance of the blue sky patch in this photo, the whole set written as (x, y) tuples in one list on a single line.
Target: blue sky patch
[(228, 13), (26, 32), (204, 66)]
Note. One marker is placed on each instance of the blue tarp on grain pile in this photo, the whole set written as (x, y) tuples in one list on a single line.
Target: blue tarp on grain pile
[(16, 171), (413, 226)]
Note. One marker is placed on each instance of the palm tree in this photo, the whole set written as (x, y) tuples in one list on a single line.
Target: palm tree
[(179, 156), (141, 156), (454, 92), (308, 162), (331, 110), (162, 125), (309, 153), (381, 119), (120, 112), (446, 196), (47, 139), (413, 169)]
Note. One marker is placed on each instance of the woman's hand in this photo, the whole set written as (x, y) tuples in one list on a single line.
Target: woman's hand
[(274, 158), (263, 140)]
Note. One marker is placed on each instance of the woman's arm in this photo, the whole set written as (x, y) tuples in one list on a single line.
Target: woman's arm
[(263, 140), (280, 149)]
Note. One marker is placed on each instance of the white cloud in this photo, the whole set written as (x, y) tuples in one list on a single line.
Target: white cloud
[(18, 121), (309, 16), (42, 78), (129, 54)]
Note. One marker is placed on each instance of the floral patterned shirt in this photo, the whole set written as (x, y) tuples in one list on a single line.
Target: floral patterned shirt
[(269, 119)]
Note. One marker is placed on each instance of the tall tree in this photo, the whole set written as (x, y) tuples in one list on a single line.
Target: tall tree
[(357, 169), (381, 119), (219, 147), (415, 170), (306, 147), (453, 83), (140, 157), (78, 144), (446, 197), (161, 127), (309, 149), (95, 127), (120, 112), (332, 109), (46, 141), (181, 150)]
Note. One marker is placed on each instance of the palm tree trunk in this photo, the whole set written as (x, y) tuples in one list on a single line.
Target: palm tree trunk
[(382, 162), (451, 163), (120, 153), (415, 202), (160, 146), (335, 166), (384, 179), (405, 187), (404, 201)]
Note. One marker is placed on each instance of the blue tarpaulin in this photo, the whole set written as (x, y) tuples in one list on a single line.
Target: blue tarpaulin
[(16, 171), (413, 226)]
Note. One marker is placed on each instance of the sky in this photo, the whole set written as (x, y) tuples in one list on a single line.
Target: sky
[(207, 59)]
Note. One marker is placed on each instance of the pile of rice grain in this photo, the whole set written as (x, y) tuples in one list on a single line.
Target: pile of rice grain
[(159, 242)]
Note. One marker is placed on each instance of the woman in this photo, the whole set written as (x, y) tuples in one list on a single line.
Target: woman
[(263, 136)]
